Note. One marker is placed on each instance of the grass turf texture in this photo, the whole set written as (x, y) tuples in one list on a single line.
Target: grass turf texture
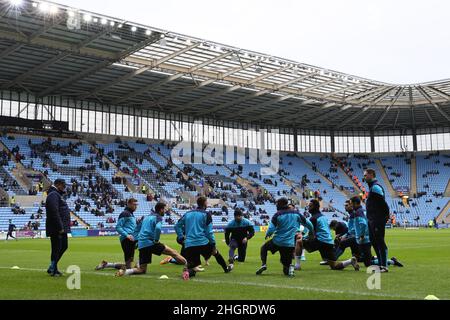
[(425, 253)]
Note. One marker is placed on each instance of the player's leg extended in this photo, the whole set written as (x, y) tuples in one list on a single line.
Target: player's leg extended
[(109, 265), (328, 254), (174, 254), (132, 271)]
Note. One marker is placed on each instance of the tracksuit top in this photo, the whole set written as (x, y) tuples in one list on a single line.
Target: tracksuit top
[(361, 226), (150, 231), (376, 206), (239, 230), (321, 227), (196, 227), (285, 224), (126, 224)]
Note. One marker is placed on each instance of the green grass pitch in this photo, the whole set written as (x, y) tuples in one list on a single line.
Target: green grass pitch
[(425, 253)]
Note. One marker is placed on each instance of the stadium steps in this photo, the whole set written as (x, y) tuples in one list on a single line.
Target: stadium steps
[(358, 190), (385, 177), (297, 189), (81, 222), (151, 184), (120, 173), (413, 183), (162, 155), (4, 194), (19, 175), (247, 184), (447, 190), (5, 175), (444, 215), (169, 161), (346, 193)]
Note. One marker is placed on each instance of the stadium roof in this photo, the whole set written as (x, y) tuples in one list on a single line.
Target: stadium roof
[(48, 49)]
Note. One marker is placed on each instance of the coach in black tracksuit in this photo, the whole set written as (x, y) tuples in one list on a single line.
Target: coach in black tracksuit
[(57, 224), (377, 216)]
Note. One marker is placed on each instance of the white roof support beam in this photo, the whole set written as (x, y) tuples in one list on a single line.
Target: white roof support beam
[(290, 110), (235, 102), (137, 72), (396, 118), (436, 106), (382, 96), (308, 89), (351, 118), (262, 105), (380, 120), (172, 78), (220, 92), (267, 75), (57, 58), (276, 100), (365, 95), (330, 94), (251, 96)]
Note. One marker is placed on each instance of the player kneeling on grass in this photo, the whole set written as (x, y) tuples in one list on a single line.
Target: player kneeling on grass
[(322, 241), (362, 236), (128, 228), (241, 230), (345, 234), (148, 243), (195, 230), (171, 260), (284, 226)]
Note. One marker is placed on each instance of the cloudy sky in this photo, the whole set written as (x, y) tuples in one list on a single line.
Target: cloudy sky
[(401, 41)]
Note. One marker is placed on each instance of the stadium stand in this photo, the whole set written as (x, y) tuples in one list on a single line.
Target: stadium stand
[(300, 177), (83, 91)]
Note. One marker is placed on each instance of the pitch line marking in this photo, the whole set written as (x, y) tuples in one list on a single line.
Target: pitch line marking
[(255, 284)]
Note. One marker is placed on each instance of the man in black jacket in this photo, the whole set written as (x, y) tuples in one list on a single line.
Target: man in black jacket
[(377, 216), (11, 229), (57, 224)]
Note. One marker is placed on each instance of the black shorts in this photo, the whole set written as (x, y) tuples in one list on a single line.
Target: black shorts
[(192, 254), (145, 254), (128, 248), (326, 250), (286, 253)]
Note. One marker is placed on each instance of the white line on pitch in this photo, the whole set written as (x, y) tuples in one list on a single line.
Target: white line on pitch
[(255, 284)]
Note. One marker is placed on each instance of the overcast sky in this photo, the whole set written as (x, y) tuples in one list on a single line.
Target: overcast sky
[(396, 41)]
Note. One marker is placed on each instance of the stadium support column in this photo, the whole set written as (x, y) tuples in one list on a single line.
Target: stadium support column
[(333, 145), (414, 136), (295, 140), (372, 141)]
